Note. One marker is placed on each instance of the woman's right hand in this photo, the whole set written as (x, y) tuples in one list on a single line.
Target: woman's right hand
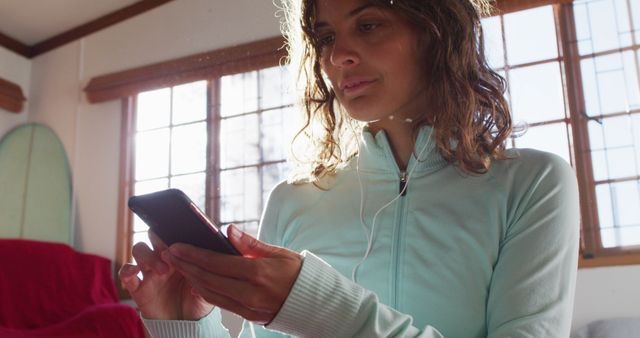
[(163, 293)]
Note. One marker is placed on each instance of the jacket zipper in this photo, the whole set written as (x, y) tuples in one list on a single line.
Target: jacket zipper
[(403, 183), (397, 235)]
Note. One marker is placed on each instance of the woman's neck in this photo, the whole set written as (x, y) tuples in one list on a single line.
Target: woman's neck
[(401, 139)]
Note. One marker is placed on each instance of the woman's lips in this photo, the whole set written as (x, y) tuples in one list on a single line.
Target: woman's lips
[(359, 86)]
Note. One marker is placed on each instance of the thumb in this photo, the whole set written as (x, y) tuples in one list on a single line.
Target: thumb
[(248, 245)]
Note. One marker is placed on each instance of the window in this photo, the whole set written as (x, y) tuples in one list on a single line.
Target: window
[(530, 61), (574, 90), (608, 35), (226, 158)]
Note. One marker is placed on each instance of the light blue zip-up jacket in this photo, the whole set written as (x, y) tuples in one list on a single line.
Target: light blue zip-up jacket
[(458, 255)]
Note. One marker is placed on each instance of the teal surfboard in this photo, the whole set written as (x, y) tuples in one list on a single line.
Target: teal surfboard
[(35, 185)]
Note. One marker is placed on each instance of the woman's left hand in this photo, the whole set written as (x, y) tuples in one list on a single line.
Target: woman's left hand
[(254, 285)]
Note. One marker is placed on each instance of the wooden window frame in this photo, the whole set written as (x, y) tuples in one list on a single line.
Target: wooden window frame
[(592, 253)]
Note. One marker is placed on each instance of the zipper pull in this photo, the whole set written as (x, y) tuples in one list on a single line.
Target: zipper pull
[(403, 183)]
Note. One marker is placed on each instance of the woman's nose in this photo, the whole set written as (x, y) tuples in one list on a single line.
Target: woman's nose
[(343, 54)]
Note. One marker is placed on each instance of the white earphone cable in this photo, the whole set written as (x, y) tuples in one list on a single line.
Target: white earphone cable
[(370, 234)]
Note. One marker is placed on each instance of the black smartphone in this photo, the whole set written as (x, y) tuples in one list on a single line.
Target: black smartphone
[(176, 219)]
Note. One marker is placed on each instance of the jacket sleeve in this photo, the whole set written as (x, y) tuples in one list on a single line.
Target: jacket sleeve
[(324, 303), (533, 283)]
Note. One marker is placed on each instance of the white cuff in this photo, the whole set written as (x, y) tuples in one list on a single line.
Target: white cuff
[(208, 326)]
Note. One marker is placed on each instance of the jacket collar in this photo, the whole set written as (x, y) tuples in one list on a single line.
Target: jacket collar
[(376, 155)]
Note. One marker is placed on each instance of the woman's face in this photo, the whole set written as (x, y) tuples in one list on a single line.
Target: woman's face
[(371, 57)]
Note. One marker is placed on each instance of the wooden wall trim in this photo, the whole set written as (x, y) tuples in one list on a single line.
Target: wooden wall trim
[(15, 45), (207, 65), (11, 97)]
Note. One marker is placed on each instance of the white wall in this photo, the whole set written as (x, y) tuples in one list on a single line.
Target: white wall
[(617, 294), (91, 132), (17, 69)]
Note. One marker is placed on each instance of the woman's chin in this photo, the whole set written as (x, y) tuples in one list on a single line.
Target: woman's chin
[(363, 113)]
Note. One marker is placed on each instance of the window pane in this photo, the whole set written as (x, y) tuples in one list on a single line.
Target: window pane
[(550, 138), (146, 187), (239, 195), (152, 154), (239, 141), (142, 237), (249, 227), (271, 175), (139, 224), (614, 237), (602, 25), (600, 165), (618, 205), (617, 131), (190, 102), (530, 35), (596, 136), (277, 130), (494, 48), (635, 12), (189, 148), (536, 93), (583, 34), (611, 84), (239, 94), (617, 159), (636, 137), (153, 109), (274, 87), (194, 186)]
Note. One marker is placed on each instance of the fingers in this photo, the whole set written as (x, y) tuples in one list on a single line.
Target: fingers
[(129, 277), (240, 291), (156, 242), (231, 305), (248, 245), (148, 260), (221, 264)]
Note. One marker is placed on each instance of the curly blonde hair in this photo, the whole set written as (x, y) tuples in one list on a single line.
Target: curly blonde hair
[(467, 96)]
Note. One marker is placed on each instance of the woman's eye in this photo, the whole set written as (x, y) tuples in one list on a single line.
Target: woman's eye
[(325, 40), (367, 27)]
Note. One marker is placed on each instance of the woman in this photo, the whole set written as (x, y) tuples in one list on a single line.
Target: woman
[(462, 238)]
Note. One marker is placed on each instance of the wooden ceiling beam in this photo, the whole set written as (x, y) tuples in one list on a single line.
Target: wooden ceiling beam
[(80, 31)]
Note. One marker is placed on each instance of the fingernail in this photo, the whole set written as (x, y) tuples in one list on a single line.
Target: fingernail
[(234, 232)]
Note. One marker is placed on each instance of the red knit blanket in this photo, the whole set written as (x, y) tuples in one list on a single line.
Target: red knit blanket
[(50, 290)]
